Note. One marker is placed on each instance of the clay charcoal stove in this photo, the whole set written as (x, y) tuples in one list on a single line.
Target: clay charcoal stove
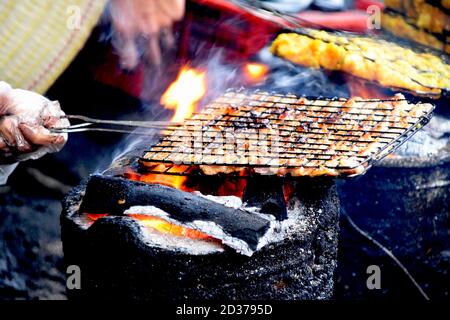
[(405, 207), (121, 258), (166, 226)]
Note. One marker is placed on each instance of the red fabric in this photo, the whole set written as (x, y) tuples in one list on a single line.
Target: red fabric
[(110, 74), (352, 20), (364, 4), (219, 23)]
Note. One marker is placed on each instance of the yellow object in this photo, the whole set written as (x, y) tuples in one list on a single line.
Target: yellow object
[(445, 4), (397, 25), (421, 14), (419, 21), (377, 60), (40, 38)]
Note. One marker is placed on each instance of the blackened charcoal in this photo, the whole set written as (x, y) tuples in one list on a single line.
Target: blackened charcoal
[(266, 192), (115, 195)]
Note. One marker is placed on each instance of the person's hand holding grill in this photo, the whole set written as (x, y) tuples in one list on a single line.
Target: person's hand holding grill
[(148, 19), (25, 122)]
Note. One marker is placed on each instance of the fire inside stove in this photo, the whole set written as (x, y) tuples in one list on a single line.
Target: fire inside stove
[(160, 225)]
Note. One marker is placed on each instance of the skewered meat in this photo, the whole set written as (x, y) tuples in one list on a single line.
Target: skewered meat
[(405, 28), (300, 137), (372, 59), (421, 14)]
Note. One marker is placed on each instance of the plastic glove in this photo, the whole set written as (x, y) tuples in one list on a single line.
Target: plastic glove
[(25, 120), (148, 18)]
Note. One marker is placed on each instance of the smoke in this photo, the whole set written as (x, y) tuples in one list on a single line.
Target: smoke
[(285, 77), (429, 141)]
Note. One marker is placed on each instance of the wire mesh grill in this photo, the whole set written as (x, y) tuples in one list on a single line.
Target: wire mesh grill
[(244, 133)]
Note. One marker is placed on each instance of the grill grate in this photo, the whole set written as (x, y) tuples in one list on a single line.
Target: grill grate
[(258, 132)]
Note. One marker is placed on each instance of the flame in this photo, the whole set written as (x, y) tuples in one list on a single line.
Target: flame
[(364, 89), (288, 191), (176, 182), (184, 93), (160, 225), (255, 72), (166, 227), (95, 216)]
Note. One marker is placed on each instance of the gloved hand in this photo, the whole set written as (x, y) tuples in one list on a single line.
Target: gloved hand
[(151, 19), (25, 120)]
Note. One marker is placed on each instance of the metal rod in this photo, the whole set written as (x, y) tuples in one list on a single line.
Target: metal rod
[(125, 123), (91, 124)]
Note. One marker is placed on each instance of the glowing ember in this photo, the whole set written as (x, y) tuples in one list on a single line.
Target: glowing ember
[(160, 225), (184, 93), (176, 182), (165, 227), (95, 216), (255, 72)]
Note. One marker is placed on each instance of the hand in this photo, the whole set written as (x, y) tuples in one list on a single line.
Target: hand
[(25, 120), (148, 18)]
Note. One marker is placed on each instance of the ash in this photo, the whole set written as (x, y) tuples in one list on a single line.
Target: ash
[(286, 77), (229, 201), (181, 244)]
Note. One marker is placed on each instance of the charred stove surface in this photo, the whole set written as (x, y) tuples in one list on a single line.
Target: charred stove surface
[(118, 262), (267, 193)]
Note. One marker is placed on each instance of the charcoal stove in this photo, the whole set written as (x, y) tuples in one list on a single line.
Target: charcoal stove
[(406, 208), (118, 262), (142, 241)]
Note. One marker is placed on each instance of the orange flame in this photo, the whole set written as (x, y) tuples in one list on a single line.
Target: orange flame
[(166, 227), (364, 89), (255, 72), (160, 225), (184, 93), (95, 216), (176, 182)]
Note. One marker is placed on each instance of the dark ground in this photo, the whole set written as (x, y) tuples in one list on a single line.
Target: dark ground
[(30, 246)]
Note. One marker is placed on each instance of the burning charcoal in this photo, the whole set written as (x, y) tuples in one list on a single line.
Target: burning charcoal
[(119, 262), (116, 195)]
